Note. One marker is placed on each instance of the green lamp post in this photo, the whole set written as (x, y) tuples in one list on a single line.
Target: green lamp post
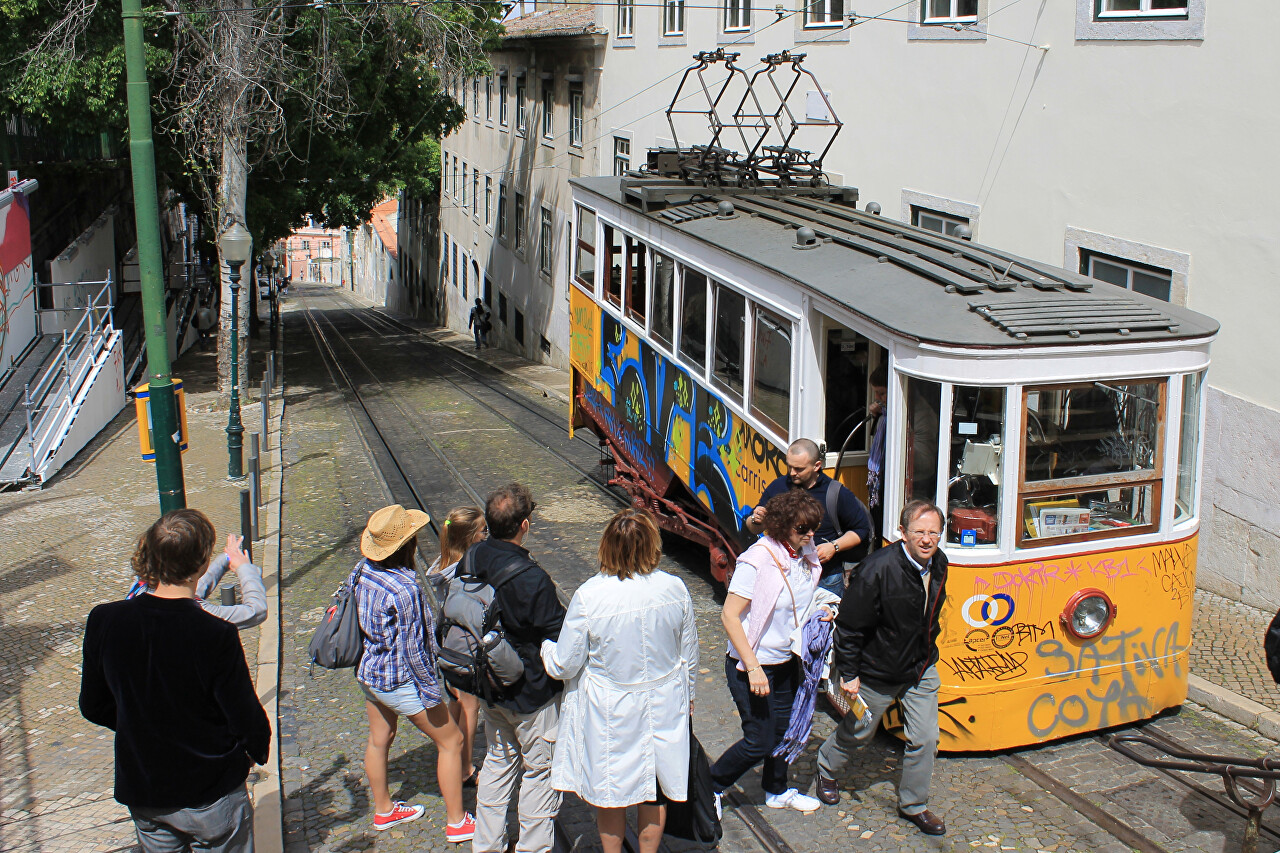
[(235, 245)]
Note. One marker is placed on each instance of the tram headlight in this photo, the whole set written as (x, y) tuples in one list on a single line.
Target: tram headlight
[(1088, 613)]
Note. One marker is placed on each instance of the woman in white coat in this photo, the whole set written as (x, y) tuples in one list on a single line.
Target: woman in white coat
[(629, 653)]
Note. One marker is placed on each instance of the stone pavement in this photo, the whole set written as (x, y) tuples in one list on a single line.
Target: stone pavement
[(67, 548)]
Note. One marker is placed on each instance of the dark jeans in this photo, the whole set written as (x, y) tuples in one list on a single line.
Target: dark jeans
[(764, 724)]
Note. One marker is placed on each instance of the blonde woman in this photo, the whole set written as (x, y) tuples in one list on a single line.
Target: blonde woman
[(463, 528), (629, 652)]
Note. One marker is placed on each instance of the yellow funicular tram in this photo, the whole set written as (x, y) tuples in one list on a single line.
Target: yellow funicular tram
[(1056, 418)]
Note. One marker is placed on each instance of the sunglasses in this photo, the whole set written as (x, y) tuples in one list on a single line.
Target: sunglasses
[(804, 531)]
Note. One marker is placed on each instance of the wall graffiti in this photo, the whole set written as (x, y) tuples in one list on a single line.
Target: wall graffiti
[(1021, 633), (656, 403), (997, 666)]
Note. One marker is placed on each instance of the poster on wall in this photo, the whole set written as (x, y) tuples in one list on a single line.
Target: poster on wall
[(17, 285)]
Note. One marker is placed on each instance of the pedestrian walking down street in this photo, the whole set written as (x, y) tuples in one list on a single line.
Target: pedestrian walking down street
[(206, 320), (886, 650), (253, 609), (844, 528), (480, 323), (520, 724), (171, 681), (463, 527), (629, 648), (773, 593), (398, 669)]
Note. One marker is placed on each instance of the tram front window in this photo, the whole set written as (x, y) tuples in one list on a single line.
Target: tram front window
[(921, 468), (977, 446), (1092, 459), (1189, 445)]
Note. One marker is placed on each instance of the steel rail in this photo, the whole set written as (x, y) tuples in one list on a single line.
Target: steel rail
[(323, 347)]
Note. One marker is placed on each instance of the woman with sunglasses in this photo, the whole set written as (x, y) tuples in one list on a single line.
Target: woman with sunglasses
[(773, 591)]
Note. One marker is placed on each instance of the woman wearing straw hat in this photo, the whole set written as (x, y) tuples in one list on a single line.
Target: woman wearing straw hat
[(398, 668)]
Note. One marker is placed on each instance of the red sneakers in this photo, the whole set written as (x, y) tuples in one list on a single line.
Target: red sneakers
[(456, 834), (400, 813)]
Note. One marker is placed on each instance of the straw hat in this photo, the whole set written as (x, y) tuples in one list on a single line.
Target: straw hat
[(388, 529)]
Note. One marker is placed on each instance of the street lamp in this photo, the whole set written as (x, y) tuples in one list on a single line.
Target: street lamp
[(235, 245)]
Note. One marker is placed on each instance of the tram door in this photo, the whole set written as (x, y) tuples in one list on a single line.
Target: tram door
[(850, 360)]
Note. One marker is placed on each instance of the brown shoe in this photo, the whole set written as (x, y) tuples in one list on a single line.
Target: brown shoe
[(926, 821), (827, 790)]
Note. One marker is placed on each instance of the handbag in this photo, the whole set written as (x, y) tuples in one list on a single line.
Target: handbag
[(695, 819), (338, 642)]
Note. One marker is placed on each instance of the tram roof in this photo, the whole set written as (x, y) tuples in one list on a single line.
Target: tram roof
[(914, 282)]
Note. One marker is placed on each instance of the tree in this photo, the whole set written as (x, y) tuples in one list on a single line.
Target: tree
[(276, 110)]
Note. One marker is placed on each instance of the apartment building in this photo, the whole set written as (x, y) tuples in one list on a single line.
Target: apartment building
[(502, 228)]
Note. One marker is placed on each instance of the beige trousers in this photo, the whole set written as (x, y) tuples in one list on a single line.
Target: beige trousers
[(520, 748)]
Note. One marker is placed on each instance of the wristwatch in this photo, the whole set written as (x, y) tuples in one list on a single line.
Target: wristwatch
[(836, 545)]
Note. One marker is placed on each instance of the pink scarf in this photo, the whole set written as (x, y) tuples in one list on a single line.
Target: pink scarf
[(770, 582)]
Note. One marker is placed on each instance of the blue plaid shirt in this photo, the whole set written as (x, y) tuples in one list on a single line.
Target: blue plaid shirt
[(399, 633)]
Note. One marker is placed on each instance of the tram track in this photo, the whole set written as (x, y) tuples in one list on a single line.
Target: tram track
[(383, 449)]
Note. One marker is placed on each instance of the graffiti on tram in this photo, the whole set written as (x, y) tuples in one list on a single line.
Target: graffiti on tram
[(656, 405), (1010, 670)]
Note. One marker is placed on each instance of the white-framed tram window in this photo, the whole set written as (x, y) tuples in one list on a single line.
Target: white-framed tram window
[(1140, 20), (1140, 266), (938, 213)]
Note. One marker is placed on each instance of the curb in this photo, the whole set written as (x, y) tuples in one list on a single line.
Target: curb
[(1233, 706), (268, 794)]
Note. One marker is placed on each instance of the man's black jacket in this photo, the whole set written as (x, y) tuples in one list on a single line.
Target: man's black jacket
[(886, 632), (531, 613)]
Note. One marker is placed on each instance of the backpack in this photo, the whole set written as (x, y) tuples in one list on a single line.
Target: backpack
[(475, 655), (860, 550), (695, 819), (338, 642)]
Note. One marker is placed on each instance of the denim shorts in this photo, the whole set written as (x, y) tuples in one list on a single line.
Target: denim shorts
[(404, 700)]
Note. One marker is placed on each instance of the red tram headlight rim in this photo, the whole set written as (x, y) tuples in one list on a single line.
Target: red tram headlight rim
[(1066, 619)]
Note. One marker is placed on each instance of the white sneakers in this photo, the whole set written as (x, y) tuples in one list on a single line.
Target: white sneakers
[(792, 799)]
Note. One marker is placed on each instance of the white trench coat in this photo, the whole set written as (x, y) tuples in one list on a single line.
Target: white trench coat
[(628, 651)]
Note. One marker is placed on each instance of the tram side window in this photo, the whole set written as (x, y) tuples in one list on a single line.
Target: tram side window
[(977, 447), (585, 264), (921, 441), (613, 262), (664, 295), (1092, 459), (771, 370), (731, 310), (1189, 446), (636, 279), (693, 319)]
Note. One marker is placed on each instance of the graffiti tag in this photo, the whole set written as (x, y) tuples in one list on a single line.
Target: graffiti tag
[(998, 666), (985, 639)]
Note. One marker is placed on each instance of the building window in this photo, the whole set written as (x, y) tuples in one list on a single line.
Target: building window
[(488, 291), (1152, 281), (519, 222), (464, 275), (502, 212), (1141, 8), (626, 18), (453, 176), (544, 345), (519, 326), (502, 100), (454, 254), (737, 15), (444, 173), (306, 245), (950, 11), (548, 109), (488, 99), (462, 197), (475, 97), (475, 191), (621, 155), (544, 242), (575, 117), (520, 110), (488, 200), (673, 17), (935, 220), (824, 13), (502, 307)]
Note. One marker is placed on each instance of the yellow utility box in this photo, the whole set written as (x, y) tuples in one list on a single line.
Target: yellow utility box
[(142, 399)]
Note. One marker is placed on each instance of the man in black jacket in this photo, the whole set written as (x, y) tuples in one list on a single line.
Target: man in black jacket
[(171, 681), (521, 725), (886, 649)]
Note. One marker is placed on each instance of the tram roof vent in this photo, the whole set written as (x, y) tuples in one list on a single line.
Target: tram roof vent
[(1074, 316), (724, 210), (806, 238), (689, 212)]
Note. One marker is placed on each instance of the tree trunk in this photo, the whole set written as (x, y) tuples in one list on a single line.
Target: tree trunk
[(233, 179)]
